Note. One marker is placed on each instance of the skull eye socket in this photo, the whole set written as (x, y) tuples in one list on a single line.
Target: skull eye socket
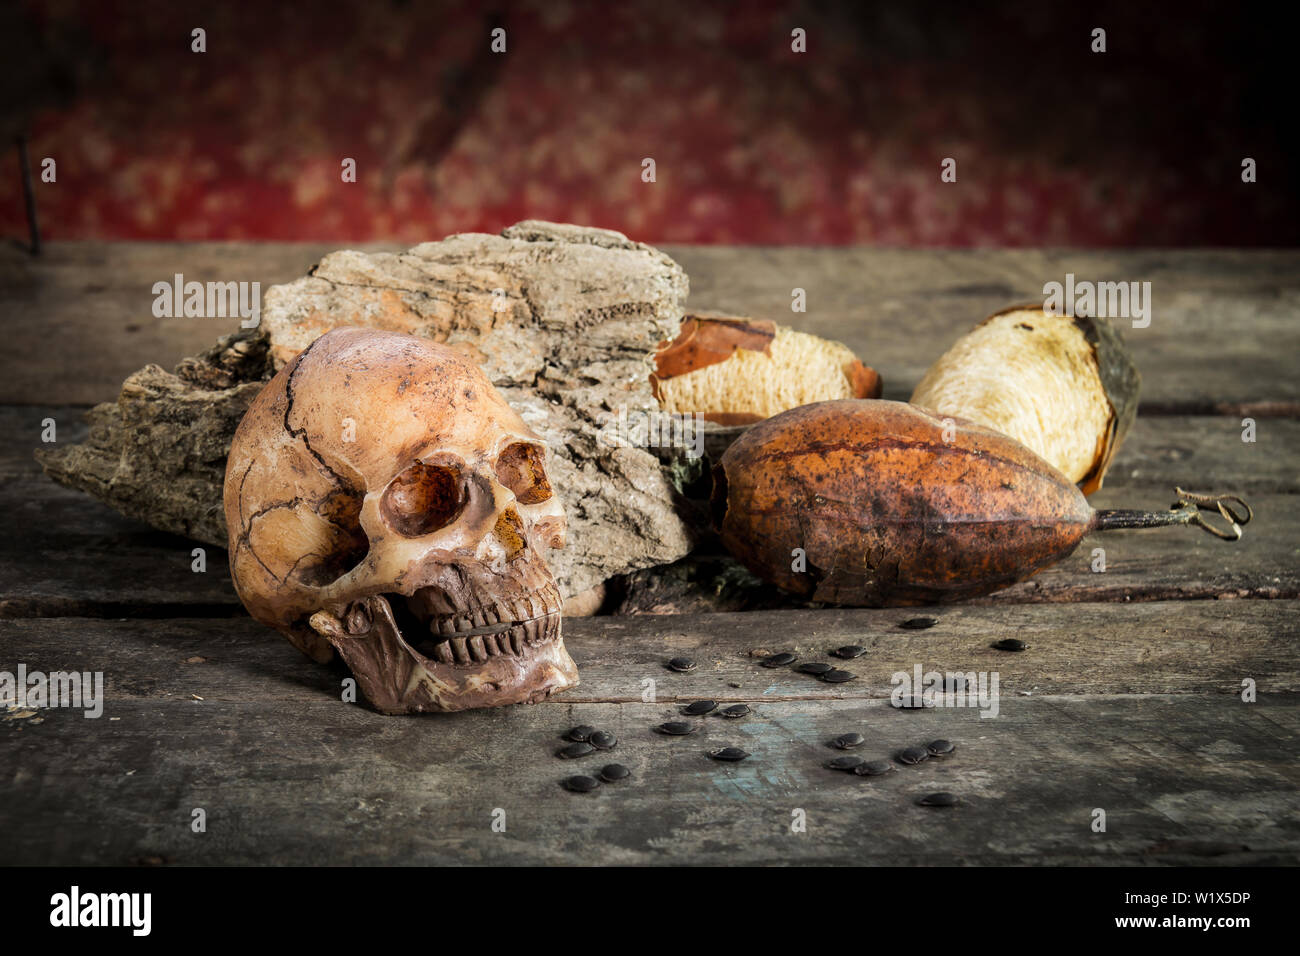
[(423, 499), (520, 469)]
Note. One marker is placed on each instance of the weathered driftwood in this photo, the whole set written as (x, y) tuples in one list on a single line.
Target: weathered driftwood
[(563, 319)]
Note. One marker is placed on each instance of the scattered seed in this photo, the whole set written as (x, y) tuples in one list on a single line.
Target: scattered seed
[(850, 762), (940, 747), (849, 651), (603, 740), (700, 707), (735, 710), (614, 771), (837, 677), (676, 728), (779, 660), (873, 768), (729, 754), (682, 664), (845, 741), (814, 667), (581, 784), (579, 749), (918, 623), (912, 755), (580, 734), (1010, 644), (941, 799)]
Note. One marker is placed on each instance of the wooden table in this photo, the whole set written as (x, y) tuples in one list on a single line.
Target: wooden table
[(1128, 699)]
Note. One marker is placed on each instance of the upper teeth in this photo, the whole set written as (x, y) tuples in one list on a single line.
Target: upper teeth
[(508, 639), (467, 623)]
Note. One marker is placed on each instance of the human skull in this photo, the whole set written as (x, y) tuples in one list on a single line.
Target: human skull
[(384, 501)]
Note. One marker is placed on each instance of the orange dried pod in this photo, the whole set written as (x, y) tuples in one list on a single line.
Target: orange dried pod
[(878, 503)]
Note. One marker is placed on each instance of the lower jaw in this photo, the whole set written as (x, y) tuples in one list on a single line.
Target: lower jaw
[(523, 662), (505, 679), (397, 678)]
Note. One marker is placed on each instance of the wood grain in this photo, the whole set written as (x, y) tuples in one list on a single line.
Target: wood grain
[(1222, 334), (287, 773), (1127, 699), (1181, 780), (1222, 330), (80, 316), (1203, 647), (77, 556)]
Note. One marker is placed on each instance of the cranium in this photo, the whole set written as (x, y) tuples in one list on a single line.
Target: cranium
[(384, 501)]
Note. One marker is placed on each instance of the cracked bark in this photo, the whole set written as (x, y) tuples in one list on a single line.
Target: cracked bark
[(562, 319)]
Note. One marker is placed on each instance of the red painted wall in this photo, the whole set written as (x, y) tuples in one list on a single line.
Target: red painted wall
[(753, 143)]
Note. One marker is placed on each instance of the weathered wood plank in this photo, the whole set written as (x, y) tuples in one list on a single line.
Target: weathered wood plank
[(80, 316), (1140, 565), (77, 556), (288, 773), (1161, 451), (69, 554), (21, 429), (1181, 779), (1223, 331), (1204, 647), (1206, 452), (1156, 564)]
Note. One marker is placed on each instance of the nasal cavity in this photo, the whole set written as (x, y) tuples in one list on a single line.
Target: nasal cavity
[(509, 530)]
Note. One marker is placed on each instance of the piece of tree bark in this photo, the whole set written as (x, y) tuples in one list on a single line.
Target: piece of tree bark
[(563, 319)]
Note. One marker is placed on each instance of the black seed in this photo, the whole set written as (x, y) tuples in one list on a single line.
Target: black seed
[(579, 749), (814, 667), (603, 740), (845, 741), (912, 755), (676, 728), (846, 763), (779, 660), (849, 651), (918, 623), (940, 747), (735, 710), (1010, 644), (700, 707), (941, 799), (911, 703), (614, 771), (581, 784), (681, 664), (873, 768), (728, 754), (582, 733), (837, 677)]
